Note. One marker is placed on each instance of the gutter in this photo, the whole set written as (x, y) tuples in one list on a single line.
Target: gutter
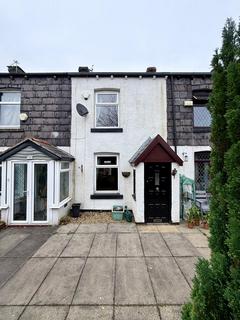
[(173, 116), (104, 74)]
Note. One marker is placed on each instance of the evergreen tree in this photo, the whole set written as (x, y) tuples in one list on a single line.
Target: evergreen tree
[(216, 290), (232, 164)]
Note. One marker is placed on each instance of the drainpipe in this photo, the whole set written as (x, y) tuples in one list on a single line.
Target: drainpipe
[(173, 116)]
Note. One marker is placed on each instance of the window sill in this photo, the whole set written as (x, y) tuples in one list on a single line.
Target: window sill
[(106, 129), (106, 196), (201, 129), (61, 204)]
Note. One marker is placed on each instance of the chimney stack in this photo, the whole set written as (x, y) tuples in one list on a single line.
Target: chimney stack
[(15, 69), (151, 69), (83, 69)]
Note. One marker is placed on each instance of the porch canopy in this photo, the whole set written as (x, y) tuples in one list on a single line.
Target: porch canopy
[(44, 147), (155, 150)]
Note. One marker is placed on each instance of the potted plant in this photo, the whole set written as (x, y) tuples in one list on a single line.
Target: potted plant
[(190, 219), (205, 221), (196, 215)]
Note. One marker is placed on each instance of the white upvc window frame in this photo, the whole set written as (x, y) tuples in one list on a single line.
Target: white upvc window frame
[(106, 166), (106, 103), (59, 189), (11, 103)]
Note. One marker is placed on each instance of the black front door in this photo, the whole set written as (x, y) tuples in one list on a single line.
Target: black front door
[(157, 192)]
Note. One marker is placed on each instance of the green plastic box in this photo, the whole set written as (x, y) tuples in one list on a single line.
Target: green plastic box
[(117, 213)]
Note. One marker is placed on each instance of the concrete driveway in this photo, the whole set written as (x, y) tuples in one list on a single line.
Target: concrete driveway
[(98, 271)]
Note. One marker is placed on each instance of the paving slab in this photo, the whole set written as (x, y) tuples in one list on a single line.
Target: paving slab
[(90, 313), (11, 240), (136, 313), (54, 246), (44, 313), (179, 245), (197, 240), (187, 266), (122, 227), (183, 228), (68, 228), (149, 228), (21, 287), (60, 284), (133, 284), (10, 313), (206, 232), (169, 284), (205, 253), (28, 246), (8, 266), (170, 312), (104, 245), (129, 245), (79, 245), (167, 228), (96, 283), (154, 245), (92, 228)]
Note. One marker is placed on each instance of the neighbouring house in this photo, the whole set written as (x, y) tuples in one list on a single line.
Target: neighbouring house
[(36, 169), (101, 139)]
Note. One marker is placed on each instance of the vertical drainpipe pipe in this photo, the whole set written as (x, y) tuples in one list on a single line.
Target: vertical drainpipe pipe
[(173, 116)]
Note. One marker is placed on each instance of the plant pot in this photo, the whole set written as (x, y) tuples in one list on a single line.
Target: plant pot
[(76, 210), (117, 215), (190, 225), (196, 222), (205, 225)]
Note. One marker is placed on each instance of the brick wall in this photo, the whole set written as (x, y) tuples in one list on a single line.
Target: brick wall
[(47, 101), (182, 90)]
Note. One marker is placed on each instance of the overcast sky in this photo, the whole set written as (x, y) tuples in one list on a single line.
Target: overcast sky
[(112, 35)]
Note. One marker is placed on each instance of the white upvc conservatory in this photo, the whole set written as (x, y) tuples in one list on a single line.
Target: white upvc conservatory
[(36, 183)]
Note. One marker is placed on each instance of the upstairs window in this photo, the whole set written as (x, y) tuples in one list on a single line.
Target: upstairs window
[(10, 109), (106, 110), (106, 173), (201, 115)]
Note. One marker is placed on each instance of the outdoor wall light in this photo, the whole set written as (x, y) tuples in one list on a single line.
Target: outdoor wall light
[(185, 156), (23, 116), (174, 172), (86, 95), (188, 103)]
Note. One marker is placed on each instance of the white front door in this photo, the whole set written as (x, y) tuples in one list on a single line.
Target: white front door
[(30, 192)]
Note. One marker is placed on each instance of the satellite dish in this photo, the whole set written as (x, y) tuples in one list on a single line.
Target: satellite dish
[(82, 110)]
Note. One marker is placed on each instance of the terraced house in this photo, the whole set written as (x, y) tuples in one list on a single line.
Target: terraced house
[(101, 139)]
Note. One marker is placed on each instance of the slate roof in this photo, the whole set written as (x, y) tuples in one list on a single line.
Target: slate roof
[(53, 152)]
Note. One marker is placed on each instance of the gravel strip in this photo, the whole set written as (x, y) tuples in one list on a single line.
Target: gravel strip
[(95, 217)]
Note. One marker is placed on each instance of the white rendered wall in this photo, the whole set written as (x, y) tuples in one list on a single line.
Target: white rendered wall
[(175, 208), (188, 168), (142, 113), (139, 206)]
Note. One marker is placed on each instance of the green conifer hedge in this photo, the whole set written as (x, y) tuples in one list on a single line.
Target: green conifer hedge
[(216, 289)]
